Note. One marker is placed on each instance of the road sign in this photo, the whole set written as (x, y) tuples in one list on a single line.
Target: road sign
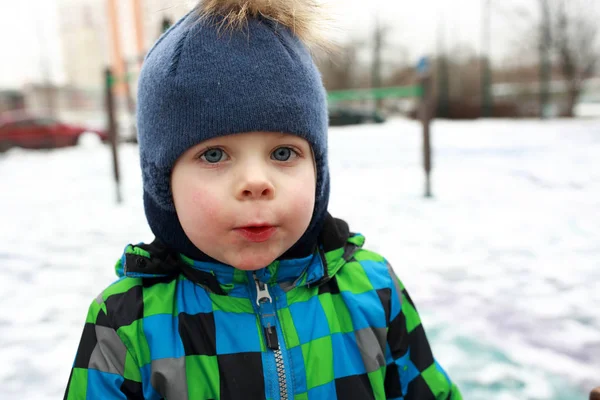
[(423, 66)]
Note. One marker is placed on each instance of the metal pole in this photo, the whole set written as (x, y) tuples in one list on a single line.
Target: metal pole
[(117, 60), (426, 120), (109, 82), (544, 61), (139, 31), (376, 67), (486, 73)]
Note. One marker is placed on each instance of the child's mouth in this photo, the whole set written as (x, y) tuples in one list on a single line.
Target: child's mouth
[(256, 233)]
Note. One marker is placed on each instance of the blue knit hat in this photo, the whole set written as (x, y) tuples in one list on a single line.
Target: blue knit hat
[(208, 77)]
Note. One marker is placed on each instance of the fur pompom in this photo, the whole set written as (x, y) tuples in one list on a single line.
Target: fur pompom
[(303, 17)]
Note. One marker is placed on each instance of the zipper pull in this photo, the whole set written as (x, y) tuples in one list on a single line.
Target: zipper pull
[(263, 297), (262, 293), (271, 335)]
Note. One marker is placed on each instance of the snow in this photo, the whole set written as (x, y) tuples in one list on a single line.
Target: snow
[(503, 262)]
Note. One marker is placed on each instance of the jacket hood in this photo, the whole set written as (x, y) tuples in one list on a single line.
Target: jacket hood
[(155, 261)]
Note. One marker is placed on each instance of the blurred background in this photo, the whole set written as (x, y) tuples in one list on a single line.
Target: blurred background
[(473, 127)]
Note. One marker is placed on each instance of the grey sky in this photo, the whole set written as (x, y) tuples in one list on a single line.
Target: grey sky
[(32, 26), (26, 27)]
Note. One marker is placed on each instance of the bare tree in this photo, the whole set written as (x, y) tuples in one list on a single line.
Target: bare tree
[(380, 46), (339, 68), (575, 41), (380, 35), (565, 42)]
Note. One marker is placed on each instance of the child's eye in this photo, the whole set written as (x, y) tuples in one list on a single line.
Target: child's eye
[(283, 154), (213, 156)]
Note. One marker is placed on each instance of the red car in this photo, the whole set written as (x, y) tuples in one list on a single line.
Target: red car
[(40, 133)]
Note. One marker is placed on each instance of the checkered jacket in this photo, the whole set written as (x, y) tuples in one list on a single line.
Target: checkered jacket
[(338, 324)]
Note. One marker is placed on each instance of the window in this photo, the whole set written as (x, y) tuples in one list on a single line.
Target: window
[(44, 122)]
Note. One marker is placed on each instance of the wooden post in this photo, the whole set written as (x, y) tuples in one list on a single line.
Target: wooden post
[(109, 82), (425, 111)]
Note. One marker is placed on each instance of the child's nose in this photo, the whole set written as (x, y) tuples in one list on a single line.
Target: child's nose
[(256, 189), (255, 185)]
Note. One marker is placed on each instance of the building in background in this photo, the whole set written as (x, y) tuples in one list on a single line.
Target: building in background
[(154, 12), (94, 34), (87, 40), (84, 42)]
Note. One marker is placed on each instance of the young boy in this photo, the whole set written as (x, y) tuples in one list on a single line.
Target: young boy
[(251, 290)]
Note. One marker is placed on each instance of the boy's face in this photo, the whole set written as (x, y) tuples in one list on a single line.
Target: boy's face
[(245, 199)]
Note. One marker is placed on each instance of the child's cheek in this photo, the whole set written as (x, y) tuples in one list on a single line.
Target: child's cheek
[(205, 205), (302, 198)]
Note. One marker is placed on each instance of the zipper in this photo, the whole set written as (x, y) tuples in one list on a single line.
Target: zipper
[(267, 315)]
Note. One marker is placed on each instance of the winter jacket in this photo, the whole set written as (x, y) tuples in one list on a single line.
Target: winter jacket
[(338, 324)]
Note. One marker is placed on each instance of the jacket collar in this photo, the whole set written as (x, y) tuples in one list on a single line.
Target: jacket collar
[(154, 261)]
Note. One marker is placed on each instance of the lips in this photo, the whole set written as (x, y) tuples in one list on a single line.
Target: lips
[(256, 234)]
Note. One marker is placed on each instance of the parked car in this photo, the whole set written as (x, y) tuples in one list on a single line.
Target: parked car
[(36, 132), (339, 116)]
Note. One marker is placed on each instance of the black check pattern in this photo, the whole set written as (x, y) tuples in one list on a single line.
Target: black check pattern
[(354, 387), (197, 333), (241, 376), (126, 308)]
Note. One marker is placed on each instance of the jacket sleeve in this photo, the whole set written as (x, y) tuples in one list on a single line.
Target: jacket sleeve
[(103, 367), (412, 372)]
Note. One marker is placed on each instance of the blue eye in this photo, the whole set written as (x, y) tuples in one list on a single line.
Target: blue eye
[(282, 154), (213, 155)]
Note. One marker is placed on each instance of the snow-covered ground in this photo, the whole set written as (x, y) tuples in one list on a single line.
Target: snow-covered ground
[(503, 263)]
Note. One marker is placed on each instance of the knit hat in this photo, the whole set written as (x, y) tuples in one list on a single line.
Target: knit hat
[(229, 66)]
